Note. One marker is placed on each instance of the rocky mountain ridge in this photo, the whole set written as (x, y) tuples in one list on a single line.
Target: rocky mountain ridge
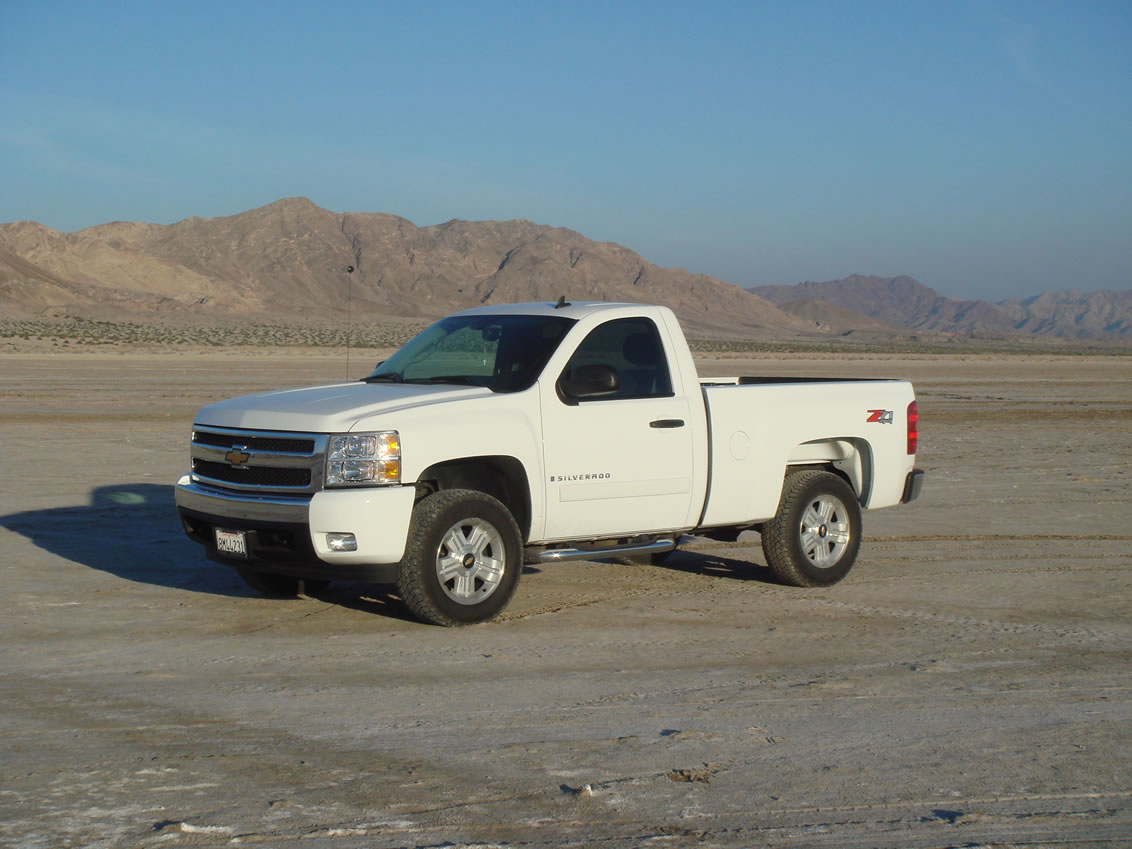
[(907, 303), (290, 259)]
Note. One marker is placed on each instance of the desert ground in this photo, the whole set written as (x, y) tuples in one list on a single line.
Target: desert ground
[(967, 685)]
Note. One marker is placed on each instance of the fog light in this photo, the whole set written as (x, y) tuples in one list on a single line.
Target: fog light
[(342, 542)]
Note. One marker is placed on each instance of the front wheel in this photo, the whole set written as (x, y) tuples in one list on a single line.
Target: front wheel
[(813, 539), (462, 560)]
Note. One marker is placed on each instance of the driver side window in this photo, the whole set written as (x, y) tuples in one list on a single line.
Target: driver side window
[(632, 348)]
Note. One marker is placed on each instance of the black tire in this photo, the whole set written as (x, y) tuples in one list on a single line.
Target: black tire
[(463, 558), (280, 586), (813, 539)]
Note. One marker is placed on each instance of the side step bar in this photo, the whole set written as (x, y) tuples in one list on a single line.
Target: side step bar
[(558, 555)]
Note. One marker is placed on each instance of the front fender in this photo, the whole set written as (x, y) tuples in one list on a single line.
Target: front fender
[(378, 517)]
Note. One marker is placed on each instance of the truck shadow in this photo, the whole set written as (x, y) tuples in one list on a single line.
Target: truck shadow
[(129, 530), (715, 565), (132, 531)]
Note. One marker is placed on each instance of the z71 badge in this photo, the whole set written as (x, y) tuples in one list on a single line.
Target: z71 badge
[(880, 417)]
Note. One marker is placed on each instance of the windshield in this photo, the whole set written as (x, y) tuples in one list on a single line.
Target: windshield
[(505, 353)]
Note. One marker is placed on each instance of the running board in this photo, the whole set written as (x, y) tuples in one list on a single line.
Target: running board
[(557, 555)]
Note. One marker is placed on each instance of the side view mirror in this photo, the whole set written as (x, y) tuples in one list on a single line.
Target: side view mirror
[(588, 381)]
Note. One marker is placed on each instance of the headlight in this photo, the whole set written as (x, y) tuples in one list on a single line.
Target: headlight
[(364, 459)]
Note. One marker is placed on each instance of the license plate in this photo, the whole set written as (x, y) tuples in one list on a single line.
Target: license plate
[(231, 543)]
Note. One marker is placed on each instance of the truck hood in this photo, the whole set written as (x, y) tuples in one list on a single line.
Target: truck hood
[(328, 409)]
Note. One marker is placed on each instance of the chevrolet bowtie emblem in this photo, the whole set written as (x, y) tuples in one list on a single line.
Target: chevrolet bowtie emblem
[(237, 456)]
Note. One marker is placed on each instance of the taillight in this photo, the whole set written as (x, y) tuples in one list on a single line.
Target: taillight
[(913, 427)]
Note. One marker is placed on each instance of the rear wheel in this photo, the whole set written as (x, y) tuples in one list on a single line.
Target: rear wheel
[(813, 539), (462, 560), (280, 586)]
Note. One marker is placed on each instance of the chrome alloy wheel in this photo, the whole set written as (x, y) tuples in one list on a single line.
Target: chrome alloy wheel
[(824, 531), (470, 561)]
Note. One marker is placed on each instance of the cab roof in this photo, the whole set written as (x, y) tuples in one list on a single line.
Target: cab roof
[(571, 309)]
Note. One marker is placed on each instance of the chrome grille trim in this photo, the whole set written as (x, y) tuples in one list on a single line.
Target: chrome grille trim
[(273, 459), (212, 444), (282, 444)]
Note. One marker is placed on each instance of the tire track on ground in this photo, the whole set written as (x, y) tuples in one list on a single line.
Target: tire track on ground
[(582, 818), (1061, 632)]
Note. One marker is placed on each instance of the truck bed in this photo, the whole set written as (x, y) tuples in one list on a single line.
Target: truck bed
[(760, 426)]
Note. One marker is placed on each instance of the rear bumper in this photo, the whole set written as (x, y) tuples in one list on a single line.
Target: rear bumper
[(912, 486), (287, 535)]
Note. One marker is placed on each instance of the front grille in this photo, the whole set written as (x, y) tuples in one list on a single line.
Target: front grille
[(252, 475), (286, 445), (256, 461)]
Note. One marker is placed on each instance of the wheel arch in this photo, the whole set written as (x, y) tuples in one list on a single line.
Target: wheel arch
[(848, 457), (501, 476)]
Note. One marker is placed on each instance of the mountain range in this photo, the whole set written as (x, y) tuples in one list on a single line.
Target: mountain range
[(291, 259), (910, 304)]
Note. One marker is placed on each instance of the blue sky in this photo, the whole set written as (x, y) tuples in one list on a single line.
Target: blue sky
[(984, 148)]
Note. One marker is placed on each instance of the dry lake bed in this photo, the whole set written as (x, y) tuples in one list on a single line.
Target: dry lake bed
[(966, 686)]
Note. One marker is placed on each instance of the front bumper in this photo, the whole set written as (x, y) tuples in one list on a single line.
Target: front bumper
[(287, 534), (197, 497)]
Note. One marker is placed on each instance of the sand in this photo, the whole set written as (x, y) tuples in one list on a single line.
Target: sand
[(966, 685)]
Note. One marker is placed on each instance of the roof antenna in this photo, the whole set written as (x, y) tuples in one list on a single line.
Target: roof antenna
[(562, 302), (349, 269)]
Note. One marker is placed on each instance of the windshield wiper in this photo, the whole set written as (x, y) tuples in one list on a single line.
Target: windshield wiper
[(391, 376), (445, 378)]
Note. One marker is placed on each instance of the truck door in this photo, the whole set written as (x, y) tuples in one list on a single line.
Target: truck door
[(619, 462)]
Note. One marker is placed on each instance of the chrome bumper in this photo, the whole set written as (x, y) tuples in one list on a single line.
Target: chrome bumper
[(195, 496)]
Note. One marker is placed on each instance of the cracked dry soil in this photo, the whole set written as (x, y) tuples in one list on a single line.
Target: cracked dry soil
[(966, 686)]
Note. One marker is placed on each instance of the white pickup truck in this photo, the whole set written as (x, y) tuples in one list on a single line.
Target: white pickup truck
[(538, 433)]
